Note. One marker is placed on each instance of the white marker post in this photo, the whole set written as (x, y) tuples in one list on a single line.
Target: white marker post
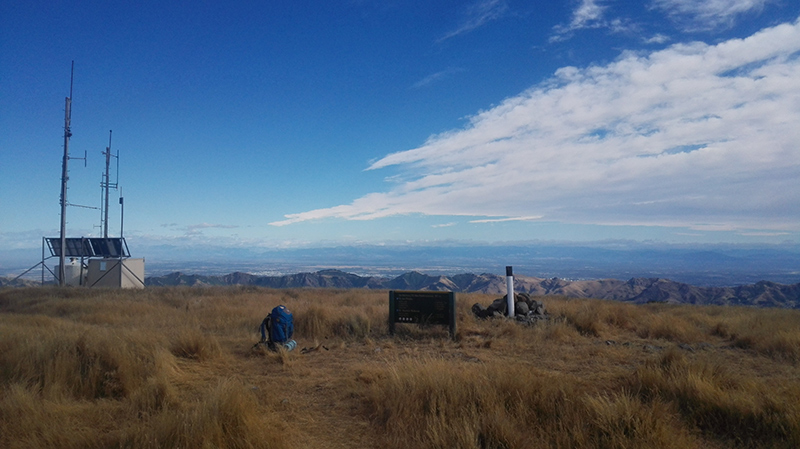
[(510, 291)]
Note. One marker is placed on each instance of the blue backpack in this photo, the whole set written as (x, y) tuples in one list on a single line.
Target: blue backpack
[(282, 326)]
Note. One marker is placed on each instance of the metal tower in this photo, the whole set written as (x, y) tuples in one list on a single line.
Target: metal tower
[(64, 178)]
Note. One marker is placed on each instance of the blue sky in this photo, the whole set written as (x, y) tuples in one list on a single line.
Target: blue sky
[(299, 123)]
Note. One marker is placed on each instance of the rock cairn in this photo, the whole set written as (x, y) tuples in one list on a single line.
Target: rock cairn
[(526, 309)]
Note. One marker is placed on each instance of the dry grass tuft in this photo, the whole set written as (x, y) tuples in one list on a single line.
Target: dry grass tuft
[(770, 332), (191, 343), (76, 361), (583, 316), (621, 420), (228, 416), (433, 404), (718, 400), (29, 420)]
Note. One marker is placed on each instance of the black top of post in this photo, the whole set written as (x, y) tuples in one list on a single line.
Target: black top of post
[(508, 271)]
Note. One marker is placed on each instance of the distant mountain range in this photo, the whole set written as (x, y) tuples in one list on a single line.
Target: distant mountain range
[(636, 290), (12, 282), (707, 265)]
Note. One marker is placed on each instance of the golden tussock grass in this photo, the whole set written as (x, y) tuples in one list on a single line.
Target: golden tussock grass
[(227, 415), (770, 332), (719, 399), (434, 403), (177, 367)]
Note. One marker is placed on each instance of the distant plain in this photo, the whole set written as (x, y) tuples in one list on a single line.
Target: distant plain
[(699, 265)]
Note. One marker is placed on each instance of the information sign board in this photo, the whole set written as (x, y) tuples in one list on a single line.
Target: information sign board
[(422, 307)]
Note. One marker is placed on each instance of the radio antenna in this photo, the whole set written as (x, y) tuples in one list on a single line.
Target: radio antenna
[(106, 184), (64, 178)]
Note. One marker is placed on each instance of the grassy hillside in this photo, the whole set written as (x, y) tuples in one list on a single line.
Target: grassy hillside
[(175, 367)]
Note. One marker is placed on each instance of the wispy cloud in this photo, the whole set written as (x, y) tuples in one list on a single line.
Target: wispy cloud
[(708, 15), (502, 220), (588, 14), (764, 234), (695, 135), (445, 225), (24, 239), (435, 77), (657, 39), (198, 228), (476, 15), (591, 14)]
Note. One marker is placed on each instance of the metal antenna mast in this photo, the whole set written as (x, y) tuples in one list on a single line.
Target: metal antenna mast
[(64, 178), (106, 184)]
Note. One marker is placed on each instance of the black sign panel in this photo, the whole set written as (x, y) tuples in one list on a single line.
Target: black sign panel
[(422, 307)]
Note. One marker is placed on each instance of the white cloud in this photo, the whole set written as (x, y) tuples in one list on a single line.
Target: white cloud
[(476, 15), (706, 15), (657, 39), (695, 135), (588, 14)]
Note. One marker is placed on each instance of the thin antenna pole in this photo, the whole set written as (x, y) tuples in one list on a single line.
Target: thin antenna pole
[(64, 179), (121, 217), (106, 186), (121, 238)]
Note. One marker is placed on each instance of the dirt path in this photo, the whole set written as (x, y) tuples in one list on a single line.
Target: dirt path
[(318, 393)]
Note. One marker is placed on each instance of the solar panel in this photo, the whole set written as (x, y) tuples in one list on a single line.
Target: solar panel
[(89, 247), (107, 247)]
